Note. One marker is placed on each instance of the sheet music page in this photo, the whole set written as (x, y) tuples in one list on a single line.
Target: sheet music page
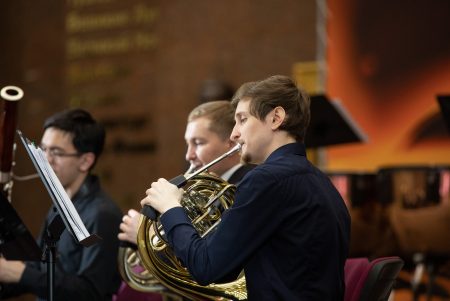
[(59, 196), (61, 200), (67, 207)]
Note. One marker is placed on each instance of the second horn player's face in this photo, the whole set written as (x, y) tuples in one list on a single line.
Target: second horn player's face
[(203, 145)]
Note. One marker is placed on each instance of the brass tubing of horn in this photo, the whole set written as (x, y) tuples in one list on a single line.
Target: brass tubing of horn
[(152, 279), (202, 193), (133, 272), (181, 180)]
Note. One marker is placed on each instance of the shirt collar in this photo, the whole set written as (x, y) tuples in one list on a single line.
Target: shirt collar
[(296, 148), (227, 175)]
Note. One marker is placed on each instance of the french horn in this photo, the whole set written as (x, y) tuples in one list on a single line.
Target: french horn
[(131, 268), (205, 198), (133, 272)]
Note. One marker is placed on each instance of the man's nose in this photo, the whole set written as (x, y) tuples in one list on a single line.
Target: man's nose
[(235, 134), (190, 153)]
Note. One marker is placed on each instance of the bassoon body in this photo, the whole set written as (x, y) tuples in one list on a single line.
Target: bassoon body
[(8, 124)]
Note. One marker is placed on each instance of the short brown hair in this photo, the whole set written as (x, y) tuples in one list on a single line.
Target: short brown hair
[(278, 90), (221, 115)]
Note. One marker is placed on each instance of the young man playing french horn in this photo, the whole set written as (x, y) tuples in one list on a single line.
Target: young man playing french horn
[(288, 227)]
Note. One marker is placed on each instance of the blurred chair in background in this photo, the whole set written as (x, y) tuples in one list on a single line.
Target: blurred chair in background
[(371, 280)]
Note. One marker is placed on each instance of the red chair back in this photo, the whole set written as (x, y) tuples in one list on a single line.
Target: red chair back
[(370, 281)]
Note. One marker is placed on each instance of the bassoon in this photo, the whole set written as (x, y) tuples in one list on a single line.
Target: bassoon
[(8, 124)]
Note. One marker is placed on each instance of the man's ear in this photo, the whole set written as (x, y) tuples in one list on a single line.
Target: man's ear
[(278, 117), (87, 160)]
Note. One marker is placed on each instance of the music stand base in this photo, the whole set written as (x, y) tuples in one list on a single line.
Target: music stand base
[(52, 234)]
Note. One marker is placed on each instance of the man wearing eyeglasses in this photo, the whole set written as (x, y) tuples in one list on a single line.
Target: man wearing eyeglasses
[(73, 141)]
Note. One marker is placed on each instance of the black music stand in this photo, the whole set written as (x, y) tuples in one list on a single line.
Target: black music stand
[(331, 124), (65, 217), (444, 104), (16, 242)]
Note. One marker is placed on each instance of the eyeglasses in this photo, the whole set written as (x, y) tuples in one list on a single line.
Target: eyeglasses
[(58, 153)]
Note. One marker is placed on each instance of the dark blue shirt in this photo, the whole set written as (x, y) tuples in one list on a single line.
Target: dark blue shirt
[(288, 229)]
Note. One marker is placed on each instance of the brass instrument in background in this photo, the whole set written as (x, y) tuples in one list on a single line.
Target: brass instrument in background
[(8, 124), (134, 273), (205, 198)]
